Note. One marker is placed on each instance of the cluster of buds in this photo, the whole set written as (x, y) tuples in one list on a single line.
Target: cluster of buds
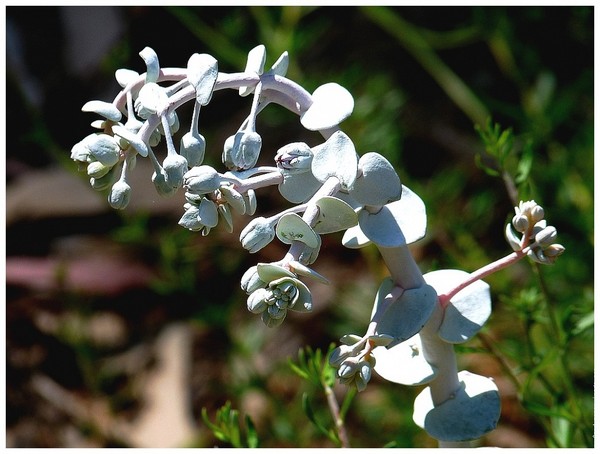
[(353, 359), (537, 238)]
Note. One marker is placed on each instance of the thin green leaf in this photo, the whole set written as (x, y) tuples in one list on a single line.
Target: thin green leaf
[(251, 434), (310, 414)]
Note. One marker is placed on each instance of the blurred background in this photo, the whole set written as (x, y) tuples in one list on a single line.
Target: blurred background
[(122, 326)]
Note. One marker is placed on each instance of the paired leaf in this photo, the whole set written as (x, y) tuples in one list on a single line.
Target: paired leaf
[(467, 311), (336, 158), (471, 412), (331, 105)]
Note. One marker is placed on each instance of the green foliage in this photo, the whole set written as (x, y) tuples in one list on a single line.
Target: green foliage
[(228, 428), (314, 368)]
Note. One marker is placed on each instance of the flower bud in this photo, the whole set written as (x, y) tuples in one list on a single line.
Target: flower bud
[(520, 222), (294, 158), (554, 250), (251, 281), (257, 234), (257, 301), (201, 179), (151, 99), (241, 151), (192, 147), (546, 236), (348, 368), (175, 167), (270, 321), (119, 195), (190, 219), (339, 355), (97, 170), (162, 187), (97, 147)]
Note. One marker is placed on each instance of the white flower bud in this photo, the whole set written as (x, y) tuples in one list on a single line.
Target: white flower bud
[(294, 158), (190, 219), (257, 301), (339, 355), (162, 187), (257, 234), (554, 250), (151, 99), (119, 195), (192, 147), (251, 281), (546, 236), (520, 222), (202, 179), (175, 167), (97, 170), (241, 151), (97, 147)]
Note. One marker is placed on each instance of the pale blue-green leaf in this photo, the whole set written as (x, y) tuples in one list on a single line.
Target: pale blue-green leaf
[(125, 76), (269, 272), (405, 316), (334, 215), (202, 72), (467, 311), (336, 157), (354, 238), (377, 183), (234, 198), (396, 224), (135, 141), (280, 67), (299, 187), (255, 64), (404, 363), (304, 301), (470, 413), (105, 109), (303, 270), (152, 66), (207, 213), (292, 227), (331, 105)]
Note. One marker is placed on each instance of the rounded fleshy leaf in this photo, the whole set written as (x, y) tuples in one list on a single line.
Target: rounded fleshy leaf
[(472, 412), (255, 64), (250, 201), (138, 144), (334, 215), (404, 363), (202, 72), (378, 183), (152, 66), (225, 212), (299, 187), (125, 76), (292, 227), (405, 316), (303, 270), (467, 311), (303, 302), (105, 109), (280, 67), (354, 238), (234, 198), (396, 224), (268, 272), (208, 214), (331, 105), (336, 158)]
